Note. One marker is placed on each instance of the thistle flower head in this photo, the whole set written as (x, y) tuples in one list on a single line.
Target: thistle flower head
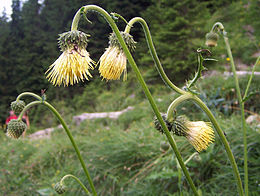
[(113, 61), (211, 39), (60, 188), (15, 128), (74, 63), (17, 106), (200, 134)]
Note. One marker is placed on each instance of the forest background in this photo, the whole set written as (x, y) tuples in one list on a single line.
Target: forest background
[(28, 42)]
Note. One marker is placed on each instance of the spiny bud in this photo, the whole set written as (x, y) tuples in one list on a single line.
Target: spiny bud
[(15, 128), (17, 106), (158, 125), (211, 39), (164, 146), (130, 42), (60, 188), (73, 38)]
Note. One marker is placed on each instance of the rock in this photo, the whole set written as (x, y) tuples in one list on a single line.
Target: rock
[(252, 118)]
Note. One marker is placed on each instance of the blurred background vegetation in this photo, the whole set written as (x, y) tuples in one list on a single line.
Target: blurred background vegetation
[(124, 155)]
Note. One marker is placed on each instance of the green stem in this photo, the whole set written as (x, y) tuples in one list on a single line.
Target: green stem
[(223, 139), (241, 104), (251, 77), (56, 113), (78, 180), (142, 83), (175, 103), (152, 50), (28, 94), (179, 177), (191, 156), (27, 107)]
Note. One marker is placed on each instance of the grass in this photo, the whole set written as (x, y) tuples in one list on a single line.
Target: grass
[(124, 156)]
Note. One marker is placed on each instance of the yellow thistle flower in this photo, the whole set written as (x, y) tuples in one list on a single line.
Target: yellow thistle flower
[(200, 134), (70, 67), (113, 62), (228, 59), (74, 63)]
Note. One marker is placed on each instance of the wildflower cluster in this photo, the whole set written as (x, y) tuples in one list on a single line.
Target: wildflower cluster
[(74, 63)]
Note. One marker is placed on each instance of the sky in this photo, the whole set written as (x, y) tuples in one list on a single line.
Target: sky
[(7, 5)]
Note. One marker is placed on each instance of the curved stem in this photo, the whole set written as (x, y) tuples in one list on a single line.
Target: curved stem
[(56, 113), (150, 44), (191, 156), (142, 83), (78, 180), (251, 77), (27, 107), (218, 25), (240, 100), (28, 94), (223, 139), (175, 103)]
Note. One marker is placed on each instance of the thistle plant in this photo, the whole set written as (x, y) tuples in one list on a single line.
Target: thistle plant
[(15, 129), (211, 41), (74, 64)]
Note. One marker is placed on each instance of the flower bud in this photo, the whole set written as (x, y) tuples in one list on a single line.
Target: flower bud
[(72, 38), (158, 126), (60, 188), (197, 158), (17, 106), (164, 146), (113, 41), (15, 128), (211, 39)]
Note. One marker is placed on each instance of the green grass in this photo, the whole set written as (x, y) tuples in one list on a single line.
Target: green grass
[(124, 156)]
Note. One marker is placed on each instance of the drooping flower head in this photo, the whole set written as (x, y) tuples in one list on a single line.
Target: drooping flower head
[(200, 134), (60, 188), (212, 39), (74, 63), (113, 61), (15, 128)]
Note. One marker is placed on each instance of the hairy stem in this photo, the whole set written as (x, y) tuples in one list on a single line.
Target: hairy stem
[(152, 50), (142, 83), (78, 180)]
